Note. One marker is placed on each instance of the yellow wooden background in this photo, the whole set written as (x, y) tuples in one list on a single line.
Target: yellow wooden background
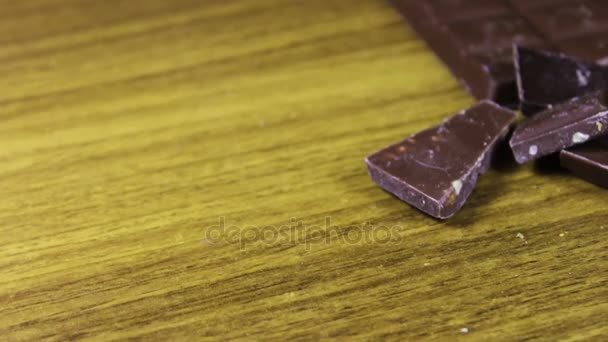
[(130, 129)]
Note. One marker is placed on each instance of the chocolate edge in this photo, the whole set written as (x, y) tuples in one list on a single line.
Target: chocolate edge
[(580, 167), (483, 87)]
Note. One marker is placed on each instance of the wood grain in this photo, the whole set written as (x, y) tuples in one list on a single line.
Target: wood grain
[(131, 129)]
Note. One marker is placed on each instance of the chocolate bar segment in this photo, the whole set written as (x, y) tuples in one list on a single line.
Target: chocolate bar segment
[(545, 78), (561, 20), (564, 125), (474, 37), (588, 161), (436, 170)]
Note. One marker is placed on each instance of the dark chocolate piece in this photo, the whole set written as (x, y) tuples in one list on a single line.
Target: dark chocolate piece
[(588, 161), (474, 37), (547, 78), (436, 170), (563, 125)]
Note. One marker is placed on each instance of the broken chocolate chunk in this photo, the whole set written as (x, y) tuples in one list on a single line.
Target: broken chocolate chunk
[(436, 170), (564, 125), (546, 78), (588, 161)]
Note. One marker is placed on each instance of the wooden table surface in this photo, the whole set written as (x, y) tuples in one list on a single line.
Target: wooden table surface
[(175, 170)]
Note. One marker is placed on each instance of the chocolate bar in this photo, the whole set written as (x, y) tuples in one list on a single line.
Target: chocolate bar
[(561, 126), (474, 37), (545, 78), (588, 161), (436, 170)]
